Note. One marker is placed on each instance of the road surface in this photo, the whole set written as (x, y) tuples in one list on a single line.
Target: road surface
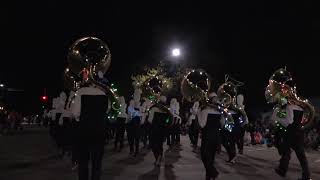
[(31, 155)]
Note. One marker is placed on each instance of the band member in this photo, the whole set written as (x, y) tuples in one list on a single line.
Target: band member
[(55, 128), (230, 135), (45, 118), (89, 109), (234, 116), (170, 130), (133, 129), (145, 126), (210, 121), (157, 119), (62, 124), (176, 128), (65, 121), (121, 124), (73, 131), (52, 119), (194, 125), (240, 140), (291, 114)]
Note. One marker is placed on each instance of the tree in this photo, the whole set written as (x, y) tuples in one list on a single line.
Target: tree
[(139, 81)]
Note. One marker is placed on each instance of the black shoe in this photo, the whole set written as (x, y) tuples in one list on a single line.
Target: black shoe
[(232, 160), (280, 172)]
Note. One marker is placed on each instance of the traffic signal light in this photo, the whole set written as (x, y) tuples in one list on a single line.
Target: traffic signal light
[(44, 98)]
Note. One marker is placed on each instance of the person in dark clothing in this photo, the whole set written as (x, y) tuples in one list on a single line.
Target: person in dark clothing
[(291, 114), (66, 131), (120, 124), (176, 127), (89, 109), (134, 128), (54, 129), (292, 138), (234, 116), (157, 118), (176, 130), (230, 136), (193, 125), (243, 126), (145, 125), (240, 140), (210, 121)]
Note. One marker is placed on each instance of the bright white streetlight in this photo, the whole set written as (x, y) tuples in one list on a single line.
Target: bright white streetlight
[(1, 85), (176, 52)]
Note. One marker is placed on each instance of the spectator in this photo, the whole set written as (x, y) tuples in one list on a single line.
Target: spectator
[(257, 137), (247, 138), (313, 139)]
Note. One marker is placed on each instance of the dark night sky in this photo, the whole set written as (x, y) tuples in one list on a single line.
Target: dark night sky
[(248, 40)]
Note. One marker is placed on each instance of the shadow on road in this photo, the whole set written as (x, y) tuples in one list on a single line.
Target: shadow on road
[(171, 157), (129, 160), (151, 175)]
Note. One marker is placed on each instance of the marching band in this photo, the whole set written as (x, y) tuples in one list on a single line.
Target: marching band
[(78, 124)]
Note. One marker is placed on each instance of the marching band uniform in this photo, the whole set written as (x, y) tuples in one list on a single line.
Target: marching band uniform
[(176, 128), (52, 119), (134, 123), (194, 125), (293, 139), (55, 129), (73, 131), (210, 121), (240, 140), (61, 130), (229, 138), (291, 114), (121, 124), (234, 117), (65, 122), (157, 119), (89, 110), (170, 130), (144, 124)]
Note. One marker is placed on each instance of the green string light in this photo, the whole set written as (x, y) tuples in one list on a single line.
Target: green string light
[(167, 120)]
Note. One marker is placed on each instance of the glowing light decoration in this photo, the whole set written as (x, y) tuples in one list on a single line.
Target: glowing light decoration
[(281, 91), (195, 85)]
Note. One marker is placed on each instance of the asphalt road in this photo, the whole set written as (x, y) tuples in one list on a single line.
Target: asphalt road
[(31, 155)]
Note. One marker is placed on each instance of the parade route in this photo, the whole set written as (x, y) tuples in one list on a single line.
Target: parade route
[(31, 156)]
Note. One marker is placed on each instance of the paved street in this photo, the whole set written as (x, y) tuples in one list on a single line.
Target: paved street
[(31, 155)]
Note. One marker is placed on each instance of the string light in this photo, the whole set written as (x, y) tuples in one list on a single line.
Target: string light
[(195, 86), (289, 95)]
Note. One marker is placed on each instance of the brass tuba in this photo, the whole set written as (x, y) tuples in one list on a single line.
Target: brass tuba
[(281, 88), (195, 86), (88, 59), (152, 89), (227, 94)]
